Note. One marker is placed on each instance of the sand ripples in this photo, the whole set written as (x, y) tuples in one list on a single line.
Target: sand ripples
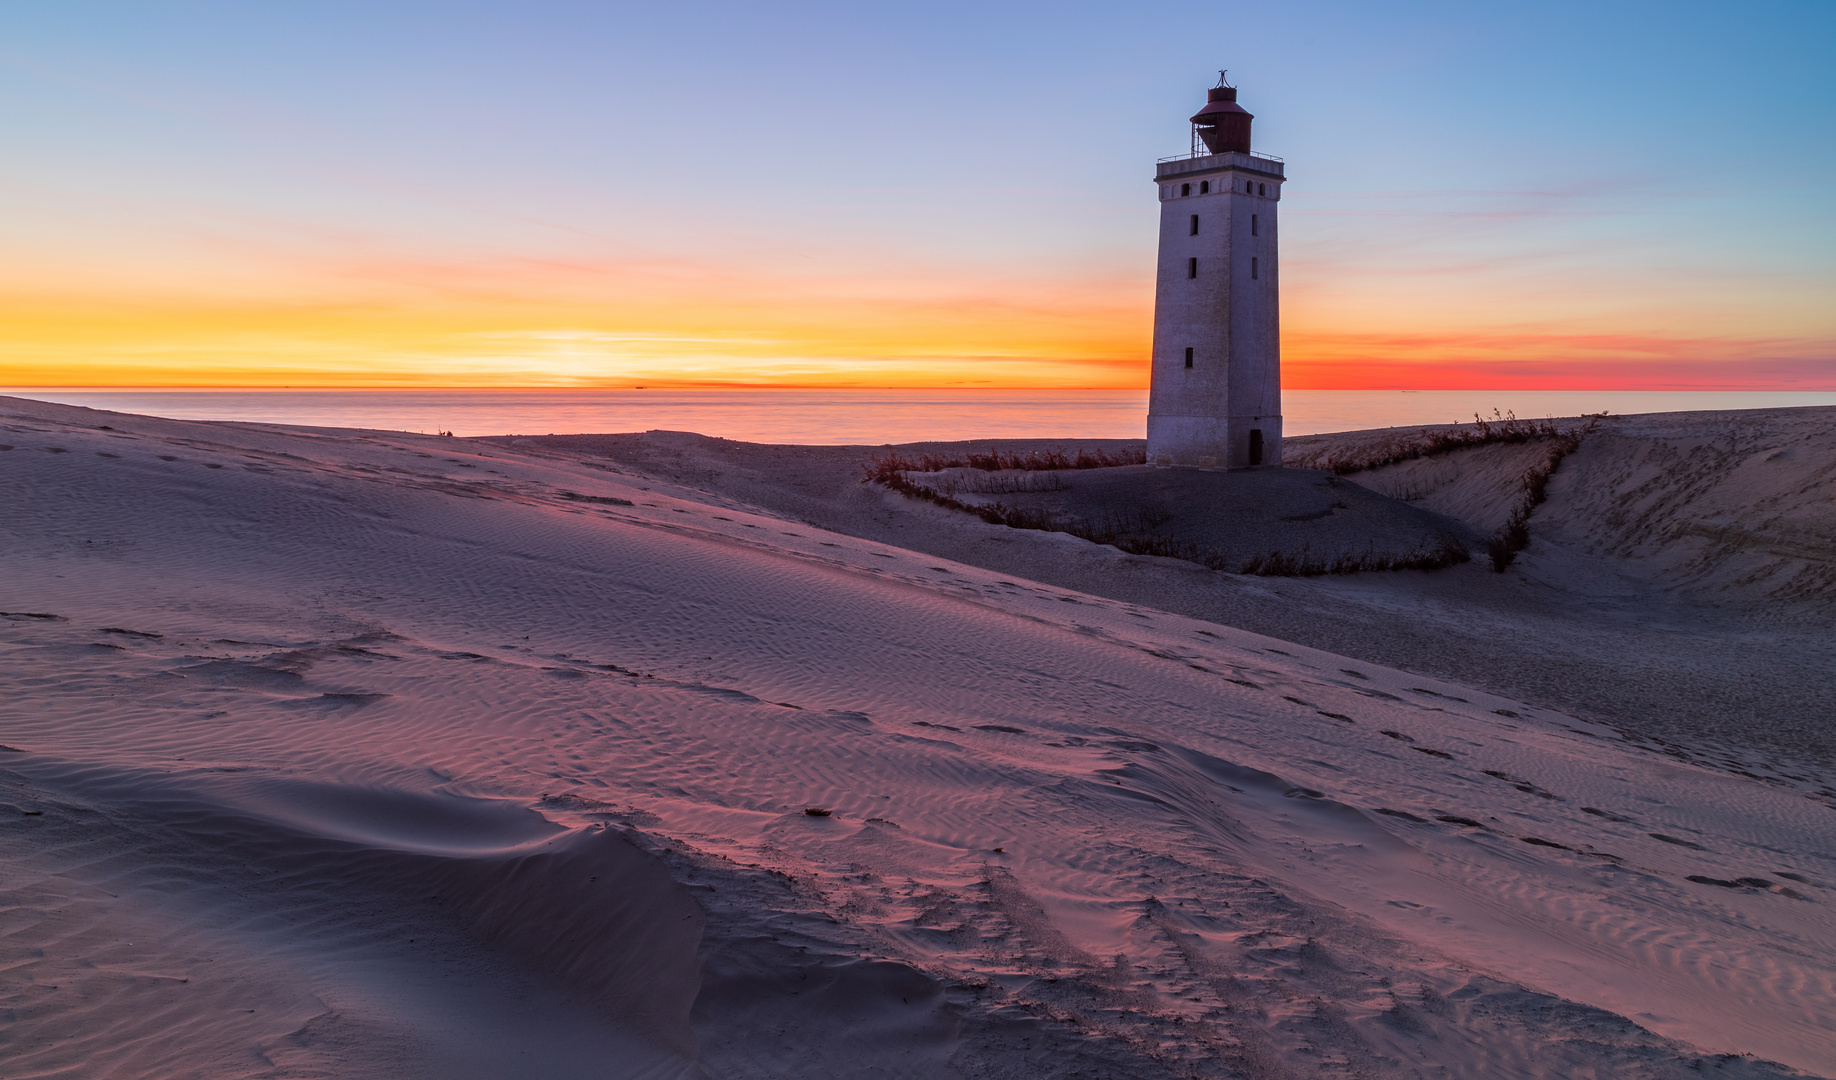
[(431, 778)]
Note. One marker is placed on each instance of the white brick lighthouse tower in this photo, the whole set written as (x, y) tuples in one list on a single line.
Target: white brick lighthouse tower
[(1216, 390)]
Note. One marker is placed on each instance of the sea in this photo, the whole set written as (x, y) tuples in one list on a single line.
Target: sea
[(864, 417)]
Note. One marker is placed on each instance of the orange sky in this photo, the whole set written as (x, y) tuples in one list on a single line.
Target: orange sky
[(1062, 334), (559, 195), (232, 309), (360, 314)]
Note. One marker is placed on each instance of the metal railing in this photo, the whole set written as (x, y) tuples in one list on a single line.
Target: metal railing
[(1252, 153)]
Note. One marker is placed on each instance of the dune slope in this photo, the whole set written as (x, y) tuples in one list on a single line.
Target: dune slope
[(1222, 520), (351, 754), (1707, 634)]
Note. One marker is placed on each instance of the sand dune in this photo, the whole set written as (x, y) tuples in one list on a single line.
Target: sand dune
[(1730, 508), (1719, 671), (366, 754), (1222, 520)]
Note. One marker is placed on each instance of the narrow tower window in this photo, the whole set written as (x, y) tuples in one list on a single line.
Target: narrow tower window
[(1194, 225), (1204, 187), (1255, 446), (1254, 231), (1262, 189), (1192, 267), (1188, 356), (1185, 189), (1253, 272)]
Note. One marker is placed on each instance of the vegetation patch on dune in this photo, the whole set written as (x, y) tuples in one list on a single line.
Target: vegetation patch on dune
[(1503, 428), (997, 460), (1504, 545), (1444, 553), (1427, 442), (1129, 527), (1127, 531)]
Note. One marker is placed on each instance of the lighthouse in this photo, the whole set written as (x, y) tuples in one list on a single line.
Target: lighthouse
[(1215, 400)]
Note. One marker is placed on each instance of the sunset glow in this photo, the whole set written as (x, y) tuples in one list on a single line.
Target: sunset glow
[(194, 201)]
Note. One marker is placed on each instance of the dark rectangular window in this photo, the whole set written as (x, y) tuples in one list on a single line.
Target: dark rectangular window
[(1252, 266), (1188, 357), (1194, 225), (1255, 229), (1192, 267), (1255, 446)]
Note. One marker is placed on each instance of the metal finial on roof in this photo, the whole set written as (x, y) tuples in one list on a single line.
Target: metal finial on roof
[(1222, 81)]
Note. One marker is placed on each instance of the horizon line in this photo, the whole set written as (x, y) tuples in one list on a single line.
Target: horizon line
[(74, 388)]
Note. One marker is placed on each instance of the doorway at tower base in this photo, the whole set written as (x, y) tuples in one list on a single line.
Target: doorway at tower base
[(1213, 442)]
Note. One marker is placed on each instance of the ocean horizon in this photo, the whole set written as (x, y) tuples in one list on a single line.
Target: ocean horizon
[(848, 416)]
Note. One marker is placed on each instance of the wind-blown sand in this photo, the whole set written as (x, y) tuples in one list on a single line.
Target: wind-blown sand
[(368, 754)]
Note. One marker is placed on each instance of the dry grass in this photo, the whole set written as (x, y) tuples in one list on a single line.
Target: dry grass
[(1132, 530), (1447, 552), (1124, 530), (887, 471), (1501, 428), (1504, 544), (996, 460), (1000, 483)]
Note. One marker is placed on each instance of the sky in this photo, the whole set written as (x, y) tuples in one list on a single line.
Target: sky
[(1600, 195)]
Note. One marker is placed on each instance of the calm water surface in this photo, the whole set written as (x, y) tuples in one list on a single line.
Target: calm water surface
[(860, 416)]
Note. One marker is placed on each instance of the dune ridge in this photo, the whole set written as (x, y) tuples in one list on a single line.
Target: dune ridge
[(358, 753)]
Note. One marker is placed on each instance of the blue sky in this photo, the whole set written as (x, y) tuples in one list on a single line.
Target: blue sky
[(1500, 181)]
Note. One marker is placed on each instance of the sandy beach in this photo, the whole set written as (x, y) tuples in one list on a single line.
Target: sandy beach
[(356, 753)]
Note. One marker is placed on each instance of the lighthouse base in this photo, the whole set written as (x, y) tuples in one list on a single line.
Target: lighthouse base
[(1214, 442)]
